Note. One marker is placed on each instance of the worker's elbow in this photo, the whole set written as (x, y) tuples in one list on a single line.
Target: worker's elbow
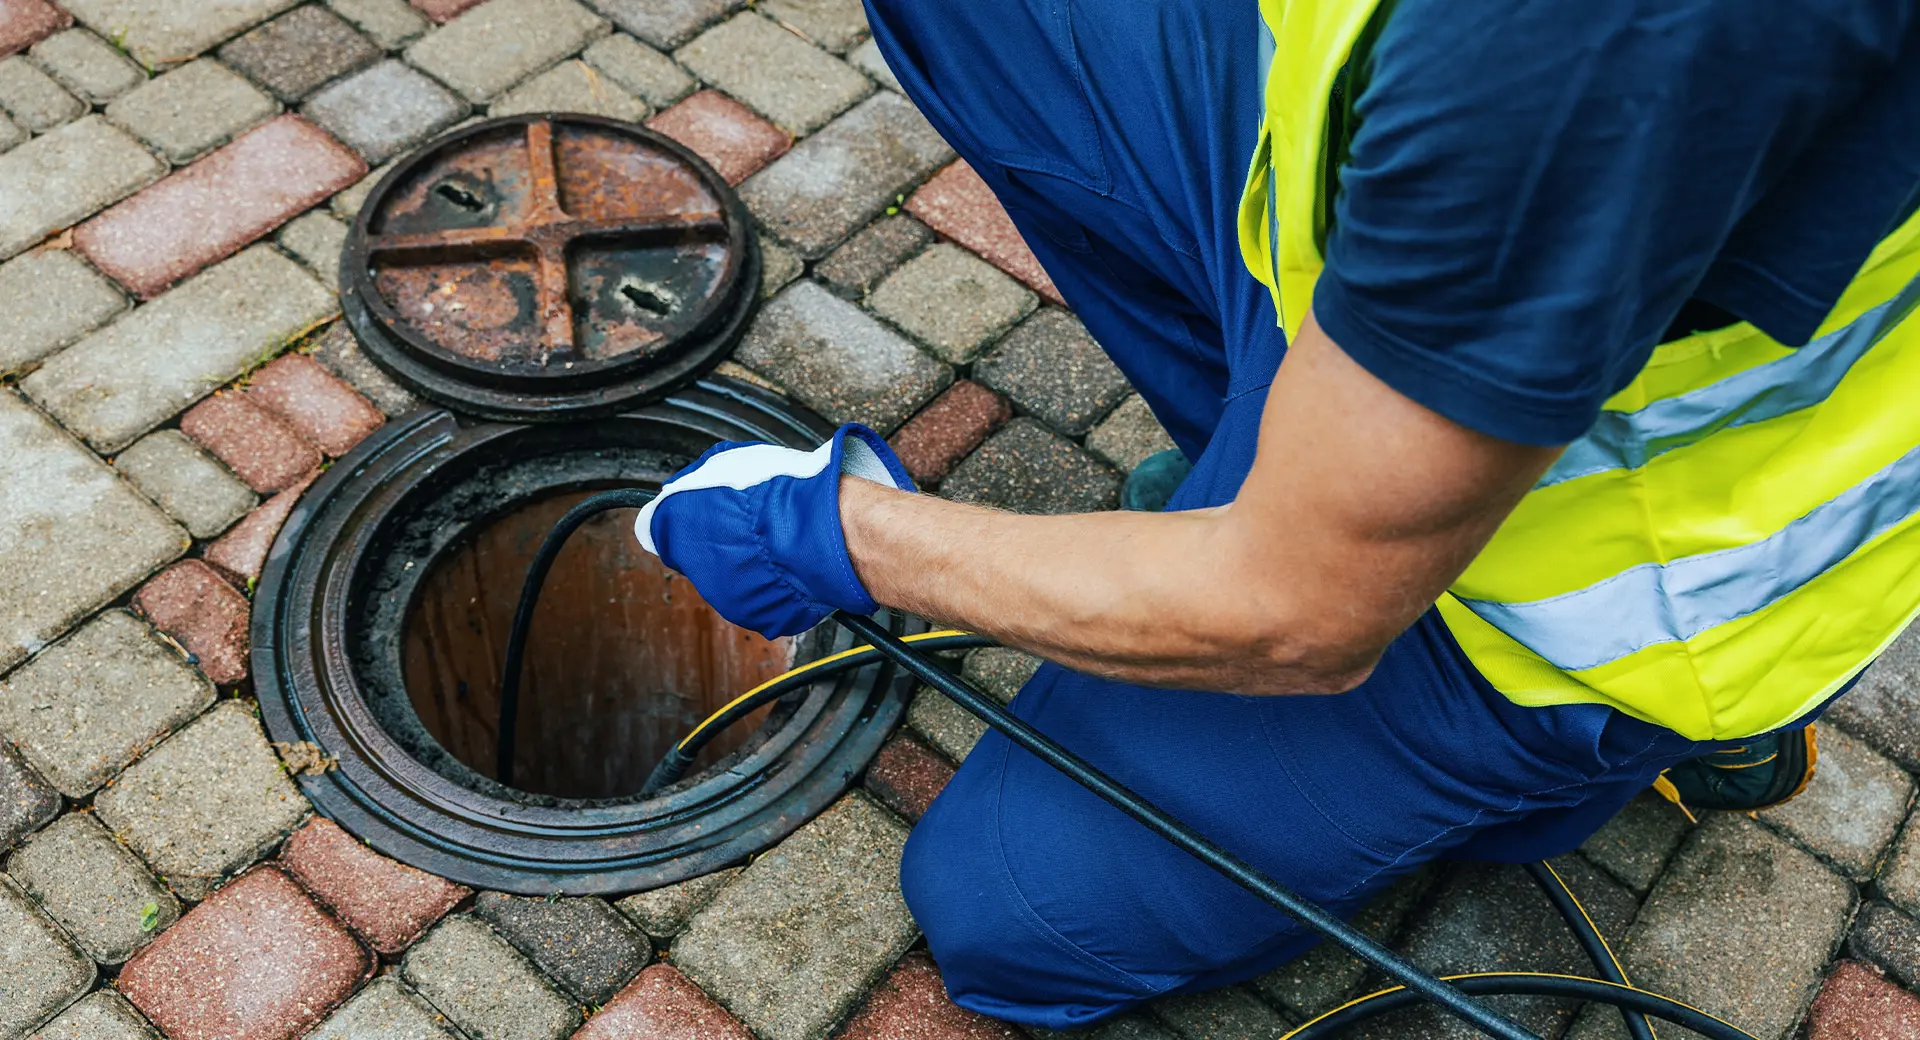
[(1311, 663)]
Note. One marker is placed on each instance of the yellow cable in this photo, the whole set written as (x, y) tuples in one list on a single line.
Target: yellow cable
[(1377, 994), (863, 648)]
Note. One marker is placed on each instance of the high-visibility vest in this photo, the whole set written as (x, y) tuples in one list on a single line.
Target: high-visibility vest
[(1735, 538)]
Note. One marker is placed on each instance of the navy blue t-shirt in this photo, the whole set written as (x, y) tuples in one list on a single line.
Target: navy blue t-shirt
[(1535, 189)]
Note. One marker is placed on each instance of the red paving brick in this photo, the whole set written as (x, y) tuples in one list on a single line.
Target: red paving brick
[(959, 205), (906, 776), (316, 403), (911, 1004), (724, 132), (24, 23), (1857, 1004), (254, 443), (256, 961), (206, 211), (933, 442), (202, 612), (662, 1005), (443, 10), (388, 903), (242, 551)]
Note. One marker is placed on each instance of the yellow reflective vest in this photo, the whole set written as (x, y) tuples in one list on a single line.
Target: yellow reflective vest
[(1737, 535)]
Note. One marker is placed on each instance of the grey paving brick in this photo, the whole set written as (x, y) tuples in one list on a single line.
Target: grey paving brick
[(390, 23), (84, 708), (583, 944), (95, 164), (951, 729), (101, 1015), (1850, 811), (43, 972), (74, 536), (165, 32), (999, 670), (868, 59), (1051, 367), (502, 42), (129, 377), (663, 912), (1233, 1013), (192, 109), (189, 484), (1889, 938), (206, 803), (796, 85), (34, 99), (1028, 468), (316, 239), (834, 24), (666, 24), (572, 86), (26, 801), (640, 69), (87, 65), (346, 205), (808, 927), (1900, 880), (1884, 707), (1741, 926), (1326, 976), (1137, 1026), (51, 297), (342, 355), (953, 301), (839, 361), (1635, 845), (484, 986), (93, 887), (386, 1009), (842, 177), (12, 134), (295, 53), (779, 267), (385, 110), (863, 260), (1128, 435)]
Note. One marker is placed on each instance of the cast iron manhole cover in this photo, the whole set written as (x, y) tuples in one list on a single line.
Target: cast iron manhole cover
[(549, 266)]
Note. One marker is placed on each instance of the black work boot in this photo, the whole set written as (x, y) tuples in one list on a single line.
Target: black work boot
[(1757, 774)]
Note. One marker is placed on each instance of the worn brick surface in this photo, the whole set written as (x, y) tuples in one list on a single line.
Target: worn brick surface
[(51, 298), (572, 86), (639, 68), (192, 603), (837, 180), (1053, 369), (911, 1004), (955, 303), (868, 59), (1029, 469), (1128, 435), (43, 972), (949, 728), (74, 535), (485, 986), (858, 265), (663, 912), (1326, 976), (959, 205), (834, 24), (999, 671), (12, 134), (583, 944), (300, 50), (1850, 811), (724, 132), (1233, 1013), (90, 704), (337, 350), (839, 361), (386, 1010), (666, 24), (207, 802), (1890, 938), (192, 109), (257, 961), (87, 65), (932, 442), (317, 240), (101, 1015), (385, 110), (162, 32), (445, 10), (22, 22), (779, 266), (26, 801), (242, 552), (388, 903), (1900, 878), (186, 482), (1857, 1004), (316, 404), (226, 200), (260, 447), (836, 882), (389, 23), (1137, 1026), (95, 164), (1884, 707), (502, 42), (906, 776), (1634, 846), (662, 1005), (775, 72), (34, 99), (93, 887)]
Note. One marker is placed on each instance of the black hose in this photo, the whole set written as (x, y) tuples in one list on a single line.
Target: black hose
[(1587, 933), (1632, 1001)]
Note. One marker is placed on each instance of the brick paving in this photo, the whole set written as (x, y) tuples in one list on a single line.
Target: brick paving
[(175, 182)]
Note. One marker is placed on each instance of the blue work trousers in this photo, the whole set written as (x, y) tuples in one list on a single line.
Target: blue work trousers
[(1118, 134)]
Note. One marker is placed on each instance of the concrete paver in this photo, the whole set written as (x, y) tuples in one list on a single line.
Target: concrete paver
[(1326, 976), (906, 777), (868, 257), (387, 903), (43, 971), (639, 68), (1128, 435), (868, 59), (22, 22), (191, 110), (93, 887), (87, 65), (959, 205), (1856, 1003), (317, 240), (953, 302), (300, 50), (95, 164), (26, 801), (664, 912), (1887, 936), (1884, 708), (1233, 1013), (337, 350), (834, 24), (583, 944), (838, 361), (385, 110), (1051, 368), (12, 134), (162, 32), (51, 297), (662, 1005), (911, 1004), (190, 602), (485, 986), (936, 439), (101, 1015), (390, 23), (34, 99), (388, 1010), (666, 24), (242, 552), (257, 445), (1634, 846), (949, 728), (1850, 811), (724, 132), (572, 86), (1900, 878), (1027, 468), (501, 42), (775, 72), (322, 409)]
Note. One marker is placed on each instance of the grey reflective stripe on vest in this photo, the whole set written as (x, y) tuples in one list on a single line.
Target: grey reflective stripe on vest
[(1268, 46), (1667, 603), (1629, 440)]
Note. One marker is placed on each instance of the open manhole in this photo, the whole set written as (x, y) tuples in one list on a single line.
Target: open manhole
[(381, 616)]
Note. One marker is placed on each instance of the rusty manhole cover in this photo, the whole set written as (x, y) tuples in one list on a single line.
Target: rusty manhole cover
[(549, 266)]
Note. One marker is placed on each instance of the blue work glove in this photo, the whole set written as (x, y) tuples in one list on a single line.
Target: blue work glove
[(756, 528)]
